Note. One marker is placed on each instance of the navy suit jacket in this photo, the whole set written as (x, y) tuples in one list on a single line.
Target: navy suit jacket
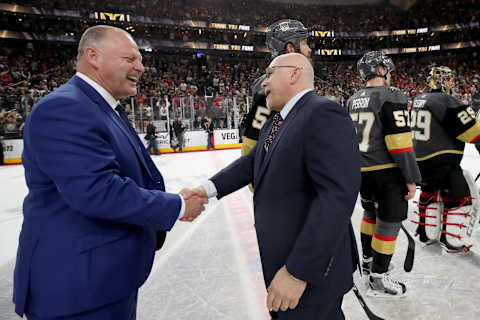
[(306, 187), (95, 207)]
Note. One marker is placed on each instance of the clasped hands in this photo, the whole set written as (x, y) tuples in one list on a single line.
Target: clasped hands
[(195, 201)]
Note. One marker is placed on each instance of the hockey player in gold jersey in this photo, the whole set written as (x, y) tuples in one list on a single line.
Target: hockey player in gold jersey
[(441, 126), (389, 169)]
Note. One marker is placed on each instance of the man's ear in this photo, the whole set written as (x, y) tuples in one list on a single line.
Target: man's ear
[(92, 57), (295, 76)]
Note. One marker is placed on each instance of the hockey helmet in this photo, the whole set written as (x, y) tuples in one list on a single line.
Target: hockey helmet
[(367, 65), (437, 77), (282, 32)]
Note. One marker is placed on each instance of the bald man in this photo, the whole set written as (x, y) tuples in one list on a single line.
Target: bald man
[(97, 209), (305, 170)]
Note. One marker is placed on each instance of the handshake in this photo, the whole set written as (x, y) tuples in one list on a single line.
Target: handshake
[(195, 200)]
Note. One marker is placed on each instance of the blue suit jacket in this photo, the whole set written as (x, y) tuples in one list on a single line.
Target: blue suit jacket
[(95, 206), (306, 187)]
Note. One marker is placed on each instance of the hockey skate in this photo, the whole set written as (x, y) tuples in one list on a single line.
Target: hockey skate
[(381, 285), (453, 249), (367, 266)]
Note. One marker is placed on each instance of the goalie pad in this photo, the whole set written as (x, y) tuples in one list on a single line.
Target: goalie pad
[(460, 222), (430, 210), (475, 197)]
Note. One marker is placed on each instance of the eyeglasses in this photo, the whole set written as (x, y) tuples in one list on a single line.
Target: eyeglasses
[(269, 70)]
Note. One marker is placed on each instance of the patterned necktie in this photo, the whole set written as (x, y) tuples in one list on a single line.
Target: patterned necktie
[(277, 121), (123, 115)]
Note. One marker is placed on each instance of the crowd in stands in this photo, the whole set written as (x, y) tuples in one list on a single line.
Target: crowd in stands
[(192, 84), (339, 81), (214, 85), (380, 16), (37, 24)]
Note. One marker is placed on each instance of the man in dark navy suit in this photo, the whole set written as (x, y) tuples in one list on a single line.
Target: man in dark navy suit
[(97, 209), (305, 170)]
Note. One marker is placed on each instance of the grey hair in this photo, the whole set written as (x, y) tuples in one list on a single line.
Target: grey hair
[(94, 36)]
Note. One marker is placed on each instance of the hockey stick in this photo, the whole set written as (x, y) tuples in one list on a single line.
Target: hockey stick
[(370, 314), (478, 176), (408, 264)]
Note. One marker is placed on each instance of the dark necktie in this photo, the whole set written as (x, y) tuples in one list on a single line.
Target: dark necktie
[(123, 115), (277, 121)]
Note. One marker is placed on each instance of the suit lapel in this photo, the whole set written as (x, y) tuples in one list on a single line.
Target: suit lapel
[(97, 98), (262, 164)]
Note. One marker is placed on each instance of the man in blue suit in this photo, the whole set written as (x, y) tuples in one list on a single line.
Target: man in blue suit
[(305, 170), (97, 209)]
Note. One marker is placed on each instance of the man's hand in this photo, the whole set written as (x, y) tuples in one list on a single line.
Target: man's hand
[(412, 188), (195, 200), (284, 291)]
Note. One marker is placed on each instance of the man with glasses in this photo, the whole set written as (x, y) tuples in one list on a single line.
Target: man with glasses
[(283, 36), (306, 174), (442, 124), (389, 169)]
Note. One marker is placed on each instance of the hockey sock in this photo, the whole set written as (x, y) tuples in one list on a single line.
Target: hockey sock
[(383, 244), (367, 228)]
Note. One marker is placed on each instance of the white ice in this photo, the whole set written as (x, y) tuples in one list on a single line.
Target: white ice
[(210, 269)]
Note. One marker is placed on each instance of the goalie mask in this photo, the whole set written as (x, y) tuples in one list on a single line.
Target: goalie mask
[(438, 77), (282, 32), (367, 65)]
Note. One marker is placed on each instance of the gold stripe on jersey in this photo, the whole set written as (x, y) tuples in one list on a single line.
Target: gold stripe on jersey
[(439, 153), (378, 167), (398, 141), (472, 134)]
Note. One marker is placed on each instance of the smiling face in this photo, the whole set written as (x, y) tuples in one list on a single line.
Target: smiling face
[(119, 64)]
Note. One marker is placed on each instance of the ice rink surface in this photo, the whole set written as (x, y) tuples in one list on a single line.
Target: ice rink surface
[(210, 269)]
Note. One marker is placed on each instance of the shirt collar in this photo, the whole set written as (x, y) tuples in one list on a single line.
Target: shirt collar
[(291, 103), (104, 93)]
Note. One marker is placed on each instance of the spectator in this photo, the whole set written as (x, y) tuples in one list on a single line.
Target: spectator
[(209, 129), (179, 129), (10, 128), (151, 137)]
